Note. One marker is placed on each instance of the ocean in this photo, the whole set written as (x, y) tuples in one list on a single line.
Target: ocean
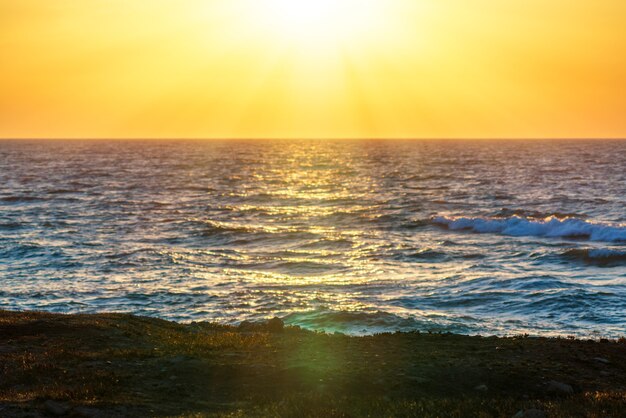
[(360, 237)]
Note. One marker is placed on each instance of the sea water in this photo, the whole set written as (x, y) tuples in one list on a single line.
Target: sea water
[(476, 237)]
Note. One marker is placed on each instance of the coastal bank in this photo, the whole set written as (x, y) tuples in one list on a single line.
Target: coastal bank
[(117, 365)]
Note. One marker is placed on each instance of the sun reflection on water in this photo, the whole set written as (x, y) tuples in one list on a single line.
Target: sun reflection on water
[(334, 235), (305, 196)]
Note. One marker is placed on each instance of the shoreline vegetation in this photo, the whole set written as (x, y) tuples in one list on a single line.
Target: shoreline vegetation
[(118, 365)]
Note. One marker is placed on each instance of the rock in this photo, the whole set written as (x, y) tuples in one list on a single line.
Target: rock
[(247, 326), (481, 388), (275, 325), (601, 360), (85, 412), (530, 413), (55, 408), (557, 387)]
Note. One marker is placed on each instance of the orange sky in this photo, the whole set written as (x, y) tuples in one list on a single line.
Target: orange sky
[(312, 68)]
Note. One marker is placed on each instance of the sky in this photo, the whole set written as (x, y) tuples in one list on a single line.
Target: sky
[(312, 69)]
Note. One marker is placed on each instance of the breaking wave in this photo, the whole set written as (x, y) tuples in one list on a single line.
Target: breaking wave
[(551, 227), (371, 322)]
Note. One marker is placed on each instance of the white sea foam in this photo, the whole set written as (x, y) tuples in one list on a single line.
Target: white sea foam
[(550, 227)]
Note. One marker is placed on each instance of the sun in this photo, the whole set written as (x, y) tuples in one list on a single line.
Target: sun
[(319, 22), (310, 15)]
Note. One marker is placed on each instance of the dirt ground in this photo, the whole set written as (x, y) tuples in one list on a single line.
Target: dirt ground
[(113, 365)]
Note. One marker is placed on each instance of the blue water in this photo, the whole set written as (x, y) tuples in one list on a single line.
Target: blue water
[(483, 237)]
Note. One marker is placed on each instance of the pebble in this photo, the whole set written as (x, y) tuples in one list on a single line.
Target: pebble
[(602, 360), (481, 388)]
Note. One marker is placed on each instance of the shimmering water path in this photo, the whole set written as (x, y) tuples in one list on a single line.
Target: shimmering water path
[(490, 237)]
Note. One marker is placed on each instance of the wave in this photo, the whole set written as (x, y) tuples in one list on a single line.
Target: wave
[(551, 227), (577, 301), (19, 251), (535, 214), (62, 191), (295, 267), (20, 199), (16, 252), (371, 322), (214, 227), (425, 254), (603, 257), (11, 225)]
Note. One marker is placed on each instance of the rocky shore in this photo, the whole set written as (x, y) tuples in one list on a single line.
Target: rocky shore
[(114, 365)]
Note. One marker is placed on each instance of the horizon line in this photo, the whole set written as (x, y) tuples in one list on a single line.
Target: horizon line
[(313, 139)]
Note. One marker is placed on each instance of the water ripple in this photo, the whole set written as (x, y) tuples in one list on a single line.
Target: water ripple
[(489, 237)]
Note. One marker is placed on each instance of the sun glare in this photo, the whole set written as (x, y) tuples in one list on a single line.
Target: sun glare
[(312, 68), (319, 21)]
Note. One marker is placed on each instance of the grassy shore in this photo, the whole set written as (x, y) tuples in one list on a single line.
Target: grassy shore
[(120, 365)]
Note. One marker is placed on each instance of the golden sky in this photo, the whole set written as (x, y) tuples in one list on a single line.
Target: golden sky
[(312, 68)]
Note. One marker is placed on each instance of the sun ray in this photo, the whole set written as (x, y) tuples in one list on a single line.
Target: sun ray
[(317, 25)]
